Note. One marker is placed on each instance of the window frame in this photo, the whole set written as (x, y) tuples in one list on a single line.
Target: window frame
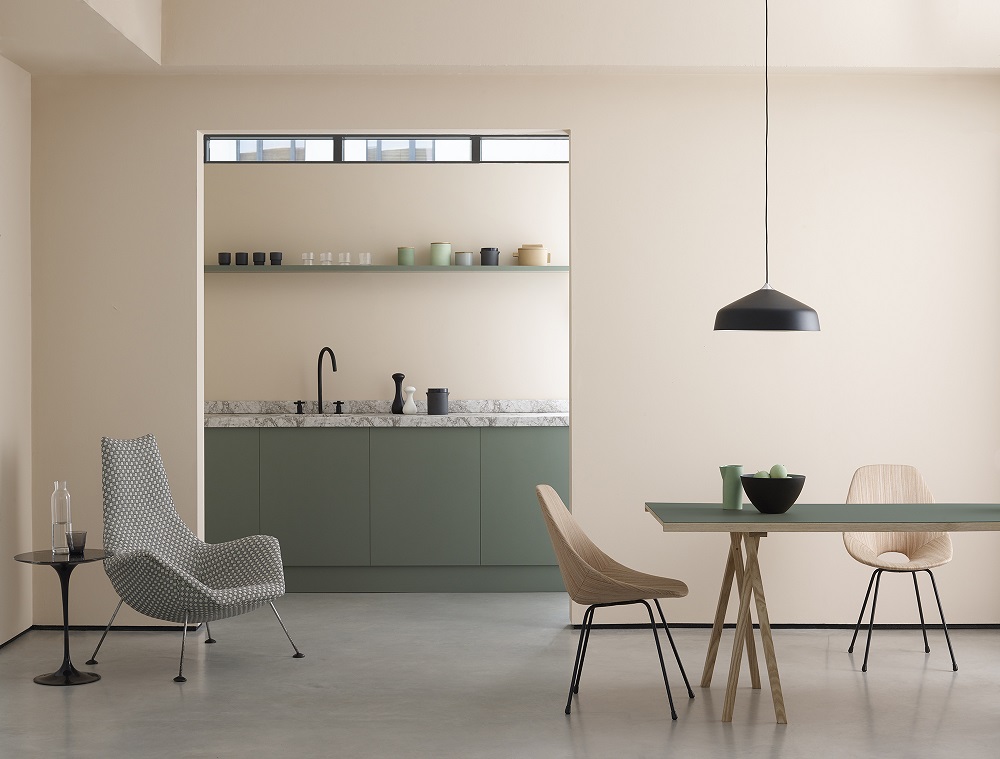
[(338, 147)]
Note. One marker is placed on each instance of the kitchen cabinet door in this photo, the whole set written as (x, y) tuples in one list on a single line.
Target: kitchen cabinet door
[(232, 496), (314, 495), (515, 460), (425, 496)]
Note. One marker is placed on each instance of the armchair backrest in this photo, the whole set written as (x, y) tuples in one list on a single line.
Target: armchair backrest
[(139, 512)]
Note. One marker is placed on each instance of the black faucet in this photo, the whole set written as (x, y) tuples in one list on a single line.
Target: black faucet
[(319, 375)]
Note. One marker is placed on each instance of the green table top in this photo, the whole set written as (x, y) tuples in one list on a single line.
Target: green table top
[(829, 517)]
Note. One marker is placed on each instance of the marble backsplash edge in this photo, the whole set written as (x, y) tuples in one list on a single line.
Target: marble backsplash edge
[(385, 407)]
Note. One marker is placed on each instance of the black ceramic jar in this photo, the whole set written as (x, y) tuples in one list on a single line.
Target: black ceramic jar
[(437, 400)]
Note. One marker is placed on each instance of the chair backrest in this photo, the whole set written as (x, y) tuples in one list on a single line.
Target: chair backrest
[(890, 483), (139, 512), (576, 554)]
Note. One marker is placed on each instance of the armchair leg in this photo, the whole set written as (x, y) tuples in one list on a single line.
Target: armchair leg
[(677, 656), (954, 664), (920, 609), (208, 633), (184, 634), (298, 654), (93, 659)]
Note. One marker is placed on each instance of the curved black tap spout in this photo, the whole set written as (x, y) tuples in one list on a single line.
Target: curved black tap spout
[(319, 375)]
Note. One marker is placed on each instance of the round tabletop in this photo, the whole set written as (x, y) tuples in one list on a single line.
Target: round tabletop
[(47, 557)]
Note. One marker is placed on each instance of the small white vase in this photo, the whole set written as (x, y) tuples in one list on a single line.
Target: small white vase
[(409, 407)]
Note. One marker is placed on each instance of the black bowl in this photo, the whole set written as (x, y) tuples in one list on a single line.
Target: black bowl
[(773, 495)]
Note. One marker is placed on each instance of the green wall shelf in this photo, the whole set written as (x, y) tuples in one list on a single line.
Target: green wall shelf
[(354, 269)]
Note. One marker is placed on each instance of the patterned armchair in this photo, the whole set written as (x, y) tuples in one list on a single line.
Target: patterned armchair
[(163, 570)]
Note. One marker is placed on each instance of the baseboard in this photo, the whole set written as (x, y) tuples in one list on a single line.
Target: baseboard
[(790, 626), (23, 632), (124, 628)]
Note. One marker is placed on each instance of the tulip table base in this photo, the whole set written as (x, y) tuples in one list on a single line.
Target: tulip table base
[(64, 564)]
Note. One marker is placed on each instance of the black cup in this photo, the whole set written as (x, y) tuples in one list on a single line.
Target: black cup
[(275, 258), (241, 259), (489, 256), (258, 258), (225, 259)]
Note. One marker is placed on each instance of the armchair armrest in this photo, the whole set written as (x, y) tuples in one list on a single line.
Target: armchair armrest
[(251, 560)]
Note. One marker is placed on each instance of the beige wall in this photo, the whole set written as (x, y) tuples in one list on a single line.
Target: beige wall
[(15, 349), (503, 335), (883, 217)]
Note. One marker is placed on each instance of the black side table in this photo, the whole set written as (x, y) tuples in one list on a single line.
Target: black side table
[(64, 564)]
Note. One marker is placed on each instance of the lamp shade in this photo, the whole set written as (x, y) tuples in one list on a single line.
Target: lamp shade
[(767, 309)]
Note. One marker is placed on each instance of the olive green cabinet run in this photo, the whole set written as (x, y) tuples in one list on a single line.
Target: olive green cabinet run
[(514, 461), (391, 509), (232, 483), (314, 495), (425, 497)]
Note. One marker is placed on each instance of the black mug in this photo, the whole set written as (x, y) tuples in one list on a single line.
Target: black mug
[(241, 258), (225, 259), (275, 258), (258, 258), (489, 256)]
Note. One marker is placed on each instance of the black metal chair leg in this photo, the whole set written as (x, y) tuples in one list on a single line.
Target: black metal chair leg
[(93, 659), (659, 653), (588, 626), (850, 648), (677, 656), (587, 615), (871, 619), (298, 654), (208, 632), (184, 633), (920, 608), (954, 664)]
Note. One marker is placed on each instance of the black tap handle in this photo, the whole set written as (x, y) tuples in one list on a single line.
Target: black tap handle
[(340, 407), (298, 406)]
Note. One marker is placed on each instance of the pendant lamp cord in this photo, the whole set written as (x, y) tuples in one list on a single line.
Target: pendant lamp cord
[(767, 127)]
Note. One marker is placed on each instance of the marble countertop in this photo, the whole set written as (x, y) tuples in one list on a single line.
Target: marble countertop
[(502, 413)]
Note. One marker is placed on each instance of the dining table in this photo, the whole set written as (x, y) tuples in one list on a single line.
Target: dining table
[(747, 526)]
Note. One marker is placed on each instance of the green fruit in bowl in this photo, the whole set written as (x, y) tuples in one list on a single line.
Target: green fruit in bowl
[(763, 473), (778, 472)]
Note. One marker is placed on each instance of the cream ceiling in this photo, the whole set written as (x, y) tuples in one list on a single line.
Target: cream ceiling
[(175, 36)]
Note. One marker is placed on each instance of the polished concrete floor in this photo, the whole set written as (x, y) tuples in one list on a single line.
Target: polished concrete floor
[(485, 676)]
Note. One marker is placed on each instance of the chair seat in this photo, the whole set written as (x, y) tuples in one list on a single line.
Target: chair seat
[(934, 553), (636, 585)]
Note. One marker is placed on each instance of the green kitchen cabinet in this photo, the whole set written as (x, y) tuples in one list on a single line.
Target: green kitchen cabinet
[(514, 461), (425, 496), (314, 494), (232, 495)]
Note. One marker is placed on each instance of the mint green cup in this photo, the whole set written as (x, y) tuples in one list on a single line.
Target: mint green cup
[(404, 256)]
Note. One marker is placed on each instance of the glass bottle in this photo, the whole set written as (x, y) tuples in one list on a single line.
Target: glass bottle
[(61, 521)]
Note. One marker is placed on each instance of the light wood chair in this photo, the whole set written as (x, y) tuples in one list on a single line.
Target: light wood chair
[(595, 579), (921, 551)]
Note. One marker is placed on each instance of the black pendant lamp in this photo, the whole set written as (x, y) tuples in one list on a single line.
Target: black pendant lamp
[(767, 309)]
